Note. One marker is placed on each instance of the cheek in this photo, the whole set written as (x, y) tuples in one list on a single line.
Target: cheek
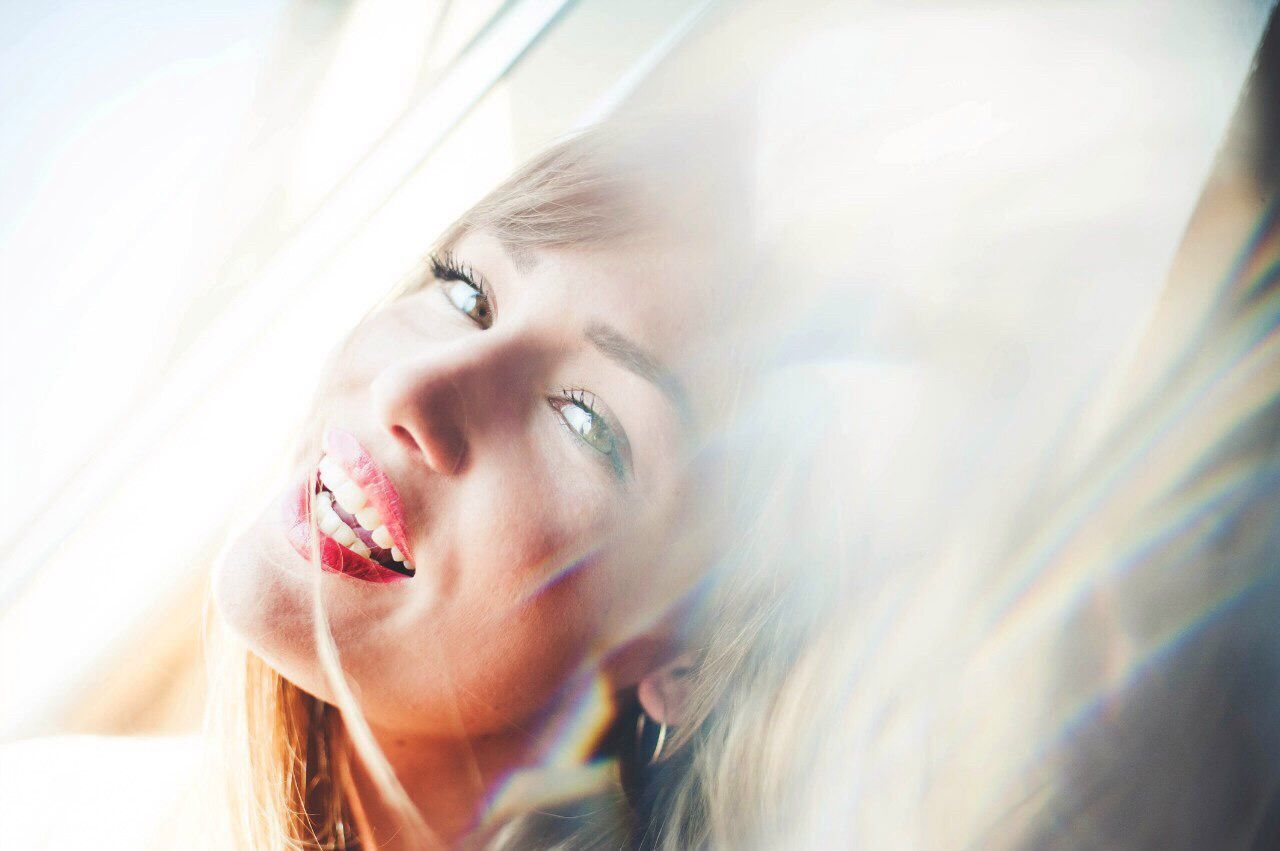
[(492, 657), (527, 654), (522, 612), (522, 525)]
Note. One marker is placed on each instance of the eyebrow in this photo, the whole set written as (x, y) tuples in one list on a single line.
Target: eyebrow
[(523, 258), (609, 340), (633, 358)]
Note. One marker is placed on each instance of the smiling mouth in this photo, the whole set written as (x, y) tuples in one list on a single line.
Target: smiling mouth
[(344, 513)]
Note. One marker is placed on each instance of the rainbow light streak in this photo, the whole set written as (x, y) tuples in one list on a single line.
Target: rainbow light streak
[(1241, 386), (559, 574), (567, 772), (1168, 494), (1138, 661)]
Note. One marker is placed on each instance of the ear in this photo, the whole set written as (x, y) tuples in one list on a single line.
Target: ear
[(664, 692)]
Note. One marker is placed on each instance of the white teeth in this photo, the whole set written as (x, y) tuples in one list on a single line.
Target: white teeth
[(350, 497), (332, 474), (369, 518), (332, 525), (347, 493), (325, 518), (328, 521), (343, 535)]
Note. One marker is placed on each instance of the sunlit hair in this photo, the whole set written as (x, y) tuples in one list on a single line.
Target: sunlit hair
[(726, 778)]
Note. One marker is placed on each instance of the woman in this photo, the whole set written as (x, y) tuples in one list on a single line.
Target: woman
[(570, 605), (484, 610)]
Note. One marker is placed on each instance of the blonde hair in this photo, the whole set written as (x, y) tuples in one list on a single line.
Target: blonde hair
[(727, 775)]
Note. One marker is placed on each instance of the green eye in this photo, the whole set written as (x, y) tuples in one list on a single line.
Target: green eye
[(470, 300), (592, 429), (589, 427)]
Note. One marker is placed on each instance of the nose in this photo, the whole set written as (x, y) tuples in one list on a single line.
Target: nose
[(440, 404)]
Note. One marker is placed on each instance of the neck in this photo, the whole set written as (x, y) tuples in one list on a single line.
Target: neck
[(448, 780)]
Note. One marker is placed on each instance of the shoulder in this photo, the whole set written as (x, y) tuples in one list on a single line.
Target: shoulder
[(92, 791)]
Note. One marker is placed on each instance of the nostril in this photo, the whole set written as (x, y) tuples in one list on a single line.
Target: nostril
[(440, 444), (402, 434)]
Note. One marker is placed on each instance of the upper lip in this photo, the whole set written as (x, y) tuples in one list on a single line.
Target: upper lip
[(355, 460)]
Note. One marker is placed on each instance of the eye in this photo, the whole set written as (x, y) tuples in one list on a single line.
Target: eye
[(470, 300), (577, 410), (463, 288)]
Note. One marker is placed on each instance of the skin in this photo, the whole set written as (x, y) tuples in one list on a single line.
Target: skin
[(537, 565)]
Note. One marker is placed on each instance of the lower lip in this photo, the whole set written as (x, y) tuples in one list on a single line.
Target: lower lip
[(334, 558)]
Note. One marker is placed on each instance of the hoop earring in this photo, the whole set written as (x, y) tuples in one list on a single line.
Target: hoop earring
[(643, 721)]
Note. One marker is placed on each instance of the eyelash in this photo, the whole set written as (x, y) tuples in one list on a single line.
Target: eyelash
[(445, 267)]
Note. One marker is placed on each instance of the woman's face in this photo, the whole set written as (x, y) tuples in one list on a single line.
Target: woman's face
[(518, 425)]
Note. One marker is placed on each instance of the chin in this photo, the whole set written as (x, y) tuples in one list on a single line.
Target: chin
[(265, 599)]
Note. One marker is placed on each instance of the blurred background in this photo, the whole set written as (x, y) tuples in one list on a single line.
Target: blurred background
[(201, 198)]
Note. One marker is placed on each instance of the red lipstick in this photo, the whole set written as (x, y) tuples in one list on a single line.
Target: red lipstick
[(359, 465), (345, 451), (334, 557)]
